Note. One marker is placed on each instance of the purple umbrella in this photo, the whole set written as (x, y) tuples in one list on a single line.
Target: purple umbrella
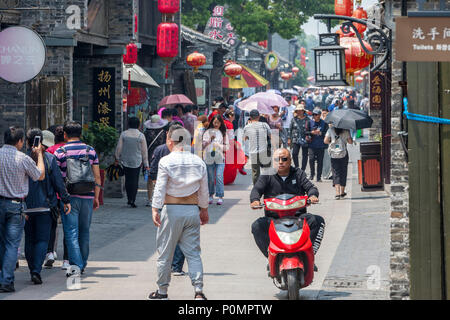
[(263, 102), (175, 99)]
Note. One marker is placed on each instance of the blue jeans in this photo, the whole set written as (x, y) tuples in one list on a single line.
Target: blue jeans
[(11, 228), (178, 259), (76, 226), (215, 179), (37, 236)]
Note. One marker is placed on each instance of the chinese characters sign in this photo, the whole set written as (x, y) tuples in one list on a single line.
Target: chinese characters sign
[(422, 39), (104, 95), (22, 54), (219, 28), (377, 90)]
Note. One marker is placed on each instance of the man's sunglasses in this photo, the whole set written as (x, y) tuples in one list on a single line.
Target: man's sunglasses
[(282, 159)]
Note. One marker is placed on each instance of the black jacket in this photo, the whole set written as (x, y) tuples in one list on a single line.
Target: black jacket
[(160, 151), (271, 186)]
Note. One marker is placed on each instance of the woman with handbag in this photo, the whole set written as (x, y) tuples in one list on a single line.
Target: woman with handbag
[(42, 208), (297, 139)]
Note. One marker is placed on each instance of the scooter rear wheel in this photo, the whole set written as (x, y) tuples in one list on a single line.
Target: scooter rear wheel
[(293, 283)]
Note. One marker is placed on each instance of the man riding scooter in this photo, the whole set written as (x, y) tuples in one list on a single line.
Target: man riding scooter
[(287, 180)]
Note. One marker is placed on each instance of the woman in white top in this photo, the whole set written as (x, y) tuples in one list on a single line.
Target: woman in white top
[(215, 143), (132, 153), (338, 139)]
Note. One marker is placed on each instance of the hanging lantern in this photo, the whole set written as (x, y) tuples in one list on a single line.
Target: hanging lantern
[(263, 43), (233, 69), (167, 42), (131, 56), (355, 56), (295, 70), (343, 7), (360, 13), (196, 60), (168, 6)]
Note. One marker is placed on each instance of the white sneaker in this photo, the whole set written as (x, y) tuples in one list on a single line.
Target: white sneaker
[(65, 265), (55, 255), (220, 201), (211, 200), (49, 260)]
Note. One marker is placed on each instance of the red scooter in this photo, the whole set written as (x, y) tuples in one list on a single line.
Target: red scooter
[(291, 256)]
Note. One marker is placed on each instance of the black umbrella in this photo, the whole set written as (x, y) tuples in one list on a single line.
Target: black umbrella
[(349, 119)]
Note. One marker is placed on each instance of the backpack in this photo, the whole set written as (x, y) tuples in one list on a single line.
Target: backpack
[(337, 149), (79, 174)]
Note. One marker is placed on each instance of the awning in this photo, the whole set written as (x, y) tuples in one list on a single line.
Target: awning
[(138, 76), (247, 79)]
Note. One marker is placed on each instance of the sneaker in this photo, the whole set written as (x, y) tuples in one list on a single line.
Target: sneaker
[(311, 178), (149, 203), (55, 255), (343, 195), (178, 273), (220, 201), (157, 296), (199, 296), (73, 273), (211, 200), (50, 259), (65, 265), (7, 288)]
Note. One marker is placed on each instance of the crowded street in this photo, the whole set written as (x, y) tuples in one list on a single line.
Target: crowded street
[(123, 252)]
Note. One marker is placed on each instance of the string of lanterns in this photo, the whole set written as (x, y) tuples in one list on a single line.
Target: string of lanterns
[(167, 33)]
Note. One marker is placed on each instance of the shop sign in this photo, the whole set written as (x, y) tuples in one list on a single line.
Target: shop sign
[(104, 87), (422, 39), (219, 28), (377, 90), (22, 54), (271, 61), (200, 90)]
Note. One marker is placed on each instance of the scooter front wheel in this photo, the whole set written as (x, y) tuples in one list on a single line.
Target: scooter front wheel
[(293, 283)]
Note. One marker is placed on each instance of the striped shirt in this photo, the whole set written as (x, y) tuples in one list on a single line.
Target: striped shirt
[(258, 134), (15, 168), (76, 150)]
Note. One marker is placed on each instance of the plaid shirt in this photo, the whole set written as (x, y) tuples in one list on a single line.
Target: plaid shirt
[(15, 169)]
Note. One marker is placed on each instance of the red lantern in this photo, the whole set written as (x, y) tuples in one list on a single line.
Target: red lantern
[(286, 76), (360, 13), (355, 56), (263, 43), (168, 6), (343, 7), (196, 60), (233, 69), (167, 40), (295, 70), (131, 56), (302, 50)]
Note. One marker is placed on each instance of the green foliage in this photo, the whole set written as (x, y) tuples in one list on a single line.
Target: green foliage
[(101, 137), (255, 19)]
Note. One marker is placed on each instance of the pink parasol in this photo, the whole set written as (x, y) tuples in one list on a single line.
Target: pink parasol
[(174, 99), (263, 102)]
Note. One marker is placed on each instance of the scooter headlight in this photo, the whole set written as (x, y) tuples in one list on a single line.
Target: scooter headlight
[(290, 237), (296, 205)]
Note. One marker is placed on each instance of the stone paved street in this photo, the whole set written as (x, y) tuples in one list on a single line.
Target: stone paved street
[(122, 262)]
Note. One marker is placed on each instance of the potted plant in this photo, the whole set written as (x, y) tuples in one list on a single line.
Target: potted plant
[(103, 139)]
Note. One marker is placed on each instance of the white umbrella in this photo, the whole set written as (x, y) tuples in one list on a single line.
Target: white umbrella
[(138, 75), (290, 91)]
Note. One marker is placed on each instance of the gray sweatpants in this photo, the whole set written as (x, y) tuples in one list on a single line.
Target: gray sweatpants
[(180, 224)]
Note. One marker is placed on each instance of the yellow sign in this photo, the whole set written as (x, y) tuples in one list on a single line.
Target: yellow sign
[(271, 61)]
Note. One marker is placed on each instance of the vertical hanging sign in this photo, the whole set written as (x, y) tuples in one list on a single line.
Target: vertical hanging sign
[(104, 96), (377, 90)]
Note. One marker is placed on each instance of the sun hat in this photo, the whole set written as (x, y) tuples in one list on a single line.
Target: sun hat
[(156, 122), (299, 107), (48, 139)]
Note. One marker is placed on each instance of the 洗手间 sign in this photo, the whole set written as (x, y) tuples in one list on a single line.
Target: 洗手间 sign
[(422, 39)]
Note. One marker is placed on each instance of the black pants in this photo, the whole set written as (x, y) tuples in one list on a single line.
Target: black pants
[(258, 161), (37, 234), (316, 155), (339, 169), (131, 183), (260, 230), (296, 151)]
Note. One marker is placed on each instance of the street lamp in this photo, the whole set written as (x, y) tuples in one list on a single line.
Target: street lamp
[(329, 58)]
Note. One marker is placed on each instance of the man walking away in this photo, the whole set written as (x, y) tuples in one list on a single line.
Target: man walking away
[(317, 129), (15, 170), (259, 134), (181, 192), (83, 196)]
